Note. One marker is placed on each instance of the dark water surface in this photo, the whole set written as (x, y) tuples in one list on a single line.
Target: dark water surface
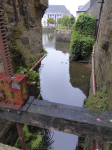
[(63, 82)]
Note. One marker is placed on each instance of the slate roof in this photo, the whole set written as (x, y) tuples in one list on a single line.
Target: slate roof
[(58, 9), (85, 7)]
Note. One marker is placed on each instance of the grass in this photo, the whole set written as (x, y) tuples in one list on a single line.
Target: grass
[(99, 101), (64, 27)]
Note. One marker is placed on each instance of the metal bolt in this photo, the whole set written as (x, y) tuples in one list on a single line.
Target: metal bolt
[(8, 110), (1, 81), (11, 92), (18, 112), (10, 82), (2, 90)]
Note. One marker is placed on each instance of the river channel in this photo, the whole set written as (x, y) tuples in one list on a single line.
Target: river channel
[(62, 81)]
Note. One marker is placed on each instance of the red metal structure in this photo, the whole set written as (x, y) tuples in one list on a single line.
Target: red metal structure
[(13, 88)]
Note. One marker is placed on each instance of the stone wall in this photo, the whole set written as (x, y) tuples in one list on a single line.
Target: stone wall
[(103, 51), (22, 20), (63, 35)]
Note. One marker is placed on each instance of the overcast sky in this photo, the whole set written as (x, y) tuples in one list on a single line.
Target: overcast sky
[(71, 5)]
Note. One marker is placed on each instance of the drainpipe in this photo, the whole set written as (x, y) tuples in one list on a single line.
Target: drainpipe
[(96, 143), (37, 64)]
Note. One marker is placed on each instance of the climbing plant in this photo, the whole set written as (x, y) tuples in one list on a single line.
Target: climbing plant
[(82, 38), (85, 24)]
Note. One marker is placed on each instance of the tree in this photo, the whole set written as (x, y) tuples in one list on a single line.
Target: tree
[(72, 20), (51, 20), (59, 20), (66, 21)]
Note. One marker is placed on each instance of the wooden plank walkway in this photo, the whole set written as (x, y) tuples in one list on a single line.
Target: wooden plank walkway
[(64, 118)]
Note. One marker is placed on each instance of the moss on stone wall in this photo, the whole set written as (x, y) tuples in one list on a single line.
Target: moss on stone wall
[(24, 32)]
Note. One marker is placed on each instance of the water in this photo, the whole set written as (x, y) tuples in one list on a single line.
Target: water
[(62, 82)]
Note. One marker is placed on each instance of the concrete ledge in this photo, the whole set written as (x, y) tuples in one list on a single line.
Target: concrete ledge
[(6, 147)]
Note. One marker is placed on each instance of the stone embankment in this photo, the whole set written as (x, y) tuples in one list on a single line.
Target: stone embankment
[(63, 35)]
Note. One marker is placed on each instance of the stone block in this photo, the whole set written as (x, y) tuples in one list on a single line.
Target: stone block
[(8, 9), (25, 40), (109, 32)]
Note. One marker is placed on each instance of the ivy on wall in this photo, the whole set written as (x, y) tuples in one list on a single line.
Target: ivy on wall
[(82, 38)]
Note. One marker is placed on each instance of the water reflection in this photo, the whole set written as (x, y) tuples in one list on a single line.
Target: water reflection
[(62, 46), (80, 76), (57, 85)]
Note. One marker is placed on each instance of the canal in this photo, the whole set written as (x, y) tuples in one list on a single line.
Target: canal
[(62, 81)]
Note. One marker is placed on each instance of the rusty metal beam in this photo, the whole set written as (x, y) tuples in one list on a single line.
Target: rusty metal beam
[(4, 48), (21, 135)]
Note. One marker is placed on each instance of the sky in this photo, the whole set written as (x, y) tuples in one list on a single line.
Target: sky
[(71, 5)]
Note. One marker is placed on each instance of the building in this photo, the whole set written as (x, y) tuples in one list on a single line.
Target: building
[(83, 9), (92, 7), (55, 11)]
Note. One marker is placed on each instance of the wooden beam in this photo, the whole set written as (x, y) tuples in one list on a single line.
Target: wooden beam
[(64, 118)]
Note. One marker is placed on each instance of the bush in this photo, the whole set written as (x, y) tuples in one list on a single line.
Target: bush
[(82, 38), (85, 24), (81, 46), (99, 101)]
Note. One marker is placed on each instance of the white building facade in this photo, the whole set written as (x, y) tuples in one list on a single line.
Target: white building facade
[(56, 12)]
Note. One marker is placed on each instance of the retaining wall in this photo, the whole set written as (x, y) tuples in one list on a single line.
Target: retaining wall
[(63, 35)]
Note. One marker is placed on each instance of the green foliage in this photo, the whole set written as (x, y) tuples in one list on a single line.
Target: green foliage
[(32, 140), (59, 20), (66, 22), (81, 46), (16, 54), (51, 20), (98, 101), (82, 38), (32, 75), (44, 50), (85, 24), (72, 20), (64, 27)]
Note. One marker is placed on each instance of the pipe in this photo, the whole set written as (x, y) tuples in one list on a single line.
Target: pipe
[(21, 136), (37, 63), (96, 143), (93, 74)]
